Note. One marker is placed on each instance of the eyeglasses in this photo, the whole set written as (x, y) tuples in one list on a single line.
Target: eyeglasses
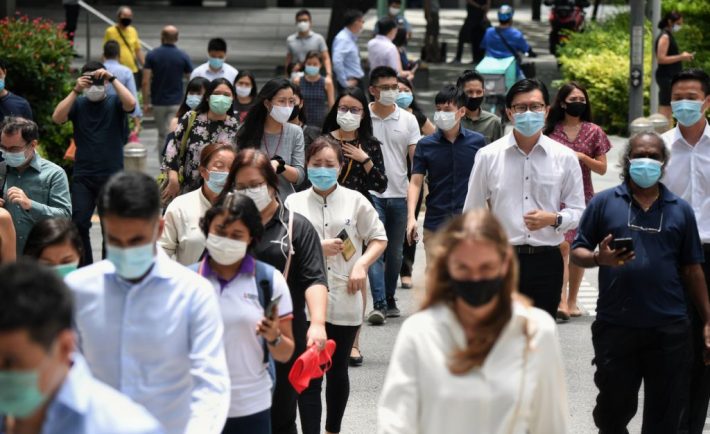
[(354, 110), (534, 107), (634, 227), (387, 87)]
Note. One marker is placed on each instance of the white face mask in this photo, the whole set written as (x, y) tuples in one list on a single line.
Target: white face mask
[(676, 27), (445, 120), (303, 26), (96, 93), (225, 251), (394, 11), (243, 91), (281, 114), (348, 121), (260, 195), (388, 97)]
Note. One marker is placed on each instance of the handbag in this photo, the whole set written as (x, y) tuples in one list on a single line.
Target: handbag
[(163, 179), (528, 68)]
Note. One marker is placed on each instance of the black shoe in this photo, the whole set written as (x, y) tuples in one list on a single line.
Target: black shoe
[(357, 360), (377, 316), (392, 310)]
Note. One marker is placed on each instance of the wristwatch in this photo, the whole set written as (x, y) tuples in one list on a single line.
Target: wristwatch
[(558, 221), (282, 164), (276, 341), (110, 80)]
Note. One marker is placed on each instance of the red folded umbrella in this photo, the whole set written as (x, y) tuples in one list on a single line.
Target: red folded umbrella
[(311, 364)]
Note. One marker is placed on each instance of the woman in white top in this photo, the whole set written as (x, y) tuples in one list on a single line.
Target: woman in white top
[(232, 225), (182, 238), (477, 358), (344, 220)]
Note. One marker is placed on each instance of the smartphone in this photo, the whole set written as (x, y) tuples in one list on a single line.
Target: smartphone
[(622, 243), (348, 246), (270, 311)]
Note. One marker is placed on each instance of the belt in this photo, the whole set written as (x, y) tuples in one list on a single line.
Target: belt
[(526, 249)]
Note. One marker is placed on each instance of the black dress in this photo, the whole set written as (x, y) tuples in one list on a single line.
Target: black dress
[(665, 73)]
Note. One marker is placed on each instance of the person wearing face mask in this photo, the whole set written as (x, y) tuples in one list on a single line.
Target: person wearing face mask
[(245, 86), (670, 60), (524, 178), (45, 383), (267, 128), (474, 334), (570, 123), (182, 238), (100, 132), (11, 104), (347, 64), (33, 188), (645, 241), (148, 326), (327, 205), (56, 243), (381, 51), (446, 159), (126, 35), (194, 91), (232, 227), (395, 12), (687, 176), (304, 41), (291, 245), (477, 119), (318, 91), (212, 121), (216, 67)]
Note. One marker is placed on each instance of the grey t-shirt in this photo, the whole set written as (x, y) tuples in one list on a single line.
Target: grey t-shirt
[(290, 147), (487, 124), (299, 47)]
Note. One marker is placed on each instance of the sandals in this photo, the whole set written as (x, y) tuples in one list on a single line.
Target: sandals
[(355, 360)]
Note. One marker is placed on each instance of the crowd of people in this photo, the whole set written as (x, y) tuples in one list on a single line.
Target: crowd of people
[(279, 207)]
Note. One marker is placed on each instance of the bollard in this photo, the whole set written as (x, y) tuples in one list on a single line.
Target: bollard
[(135, 155), (660, 123), (640, 125)]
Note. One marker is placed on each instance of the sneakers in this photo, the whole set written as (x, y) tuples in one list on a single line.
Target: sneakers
[(392, 310), (377, 316)]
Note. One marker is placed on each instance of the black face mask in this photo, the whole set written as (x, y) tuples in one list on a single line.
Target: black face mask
[(473, 103), (576, 108), (294, 113), (125, 22), (477, 292)]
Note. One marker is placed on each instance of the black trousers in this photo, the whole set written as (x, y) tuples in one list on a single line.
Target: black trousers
[(84, 193), (71, 16), (285, 399), (337, 388), (541, 279), (624, 357)]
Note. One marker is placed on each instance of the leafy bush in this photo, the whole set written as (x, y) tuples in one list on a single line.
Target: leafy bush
[(38, 55)]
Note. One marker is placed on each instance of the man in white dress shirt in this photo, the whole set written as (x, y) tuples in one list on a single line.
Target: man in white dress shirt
[(148, 326), (525, 177), (688, 175)]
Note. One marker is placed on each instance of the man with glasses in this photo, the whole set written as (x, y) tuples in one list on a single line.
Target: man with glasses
[(477, 119), (649, 257), (524, 178), (32, 188)]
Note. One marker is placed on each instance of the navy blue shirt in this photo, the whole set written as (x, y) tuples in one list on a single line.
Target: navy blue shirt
[(14, 105), (100, 131), (647, 291), (168, 64), (447, 167)]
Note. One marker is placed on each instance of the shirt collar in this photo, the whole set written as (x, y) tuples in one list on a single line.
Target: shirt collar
[(308, 35), (320, 199), (678, 136), (352, 35), (383, 38), (665, 194), (73, 393), (394, 115), (36, 162), (439, 134), (247, 267), (542, 142)]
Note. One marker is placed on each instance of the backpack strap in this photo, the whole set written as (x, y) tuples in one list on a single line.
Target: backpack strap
[(264, 278), (133, 53), (507, 45), (291, 251)]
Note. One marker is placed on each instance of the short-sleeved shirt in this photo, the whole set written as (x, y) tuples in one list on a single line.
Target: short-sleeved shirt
[(168, 64), (447, 167), (14, 105), (100, 131), (396, 132), (487, 124), (128, 41), (298, 46), (647, 291)]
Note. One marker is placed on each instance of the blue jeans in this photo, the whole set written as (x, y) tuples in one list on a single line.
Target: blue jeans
[(384, 272)]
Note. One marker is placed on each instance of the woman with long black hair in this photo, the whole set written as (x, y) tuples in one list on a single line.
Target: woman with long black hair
[(670, 59)]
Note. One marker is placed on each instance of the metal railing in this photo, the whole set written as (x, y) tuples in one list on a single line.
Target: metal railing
[(92, 11)]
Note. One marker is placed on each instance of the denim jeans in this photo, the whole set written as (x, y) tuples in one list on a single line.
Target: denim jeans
[(384, 272)]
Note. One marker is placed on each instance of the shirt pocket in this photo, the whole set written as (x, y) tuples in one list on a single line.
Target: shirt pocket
[(546, 189)]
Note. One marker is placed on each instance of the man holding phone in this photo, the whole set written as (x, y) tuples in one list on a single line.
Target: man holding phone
[(649, 256)]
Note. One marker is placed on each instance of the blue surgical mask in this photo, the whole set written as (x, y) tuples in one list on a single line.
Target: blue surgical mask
[(687, 111), (193, 100), (131, 262), (14, 159), (2, 84), (323, 178), (404, 100), (216, 181), (215, 63), (645, 172), (311, 70), (220, 104), (529, 123), (19, 393), (63, 269)]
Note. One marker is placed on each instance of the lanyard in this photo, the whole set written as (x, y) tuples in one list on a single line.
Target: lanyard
[(263, 140), (350, 163)]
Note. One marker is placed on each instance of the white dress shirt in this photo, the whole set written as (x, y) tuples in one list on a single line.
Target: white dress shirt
[(227, 71), (158, 341), (381, 51), (687, 174), (515, 390), (182, 238), (343, 209), (513, 184)]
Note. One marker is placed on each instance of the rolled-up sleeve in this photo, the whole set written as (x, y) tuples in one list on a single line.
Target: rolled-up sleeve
[(572, 196)]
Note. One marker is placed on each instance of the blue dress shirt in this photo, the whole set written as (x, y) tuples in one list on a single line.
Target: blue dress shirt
[(127, 79), (346, 57), (158, 341)]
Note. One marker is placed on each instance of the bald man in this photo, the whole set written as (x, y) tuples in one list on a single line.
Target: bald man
[(163, 75)]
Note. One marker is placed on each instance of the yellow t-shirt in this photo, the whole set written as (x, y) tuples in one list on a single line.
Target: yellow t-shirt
[(128, 52)]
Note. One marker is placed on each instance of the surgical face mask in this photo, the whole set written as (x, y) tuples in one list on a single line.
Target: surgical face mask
[(404, 100), (323, 178), (216, 181), (193, 100), (220, 104), (96, 93), (2, 84), (645, 172), (19, 393), (394, 11), (131, 262), (676, 27), (63, 269), (445, 120), (260, 195), (14, 159), (575, 109), (225, 251), (281, 114), (529, 123), (474, 103), (476, 293), (311, 70), (388, 97), (303, 26), (243, 91), (215, 62), (348, 121), (687, 111)]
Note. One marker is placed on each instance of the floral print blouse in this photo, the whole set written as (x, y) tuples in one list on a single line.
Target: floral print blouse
[(204, 132), (355, 177)]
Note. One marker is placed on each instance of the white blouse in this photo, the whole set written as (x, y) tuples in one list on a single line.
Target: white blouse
[(342, 209), (182, 238), (507, 395)]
